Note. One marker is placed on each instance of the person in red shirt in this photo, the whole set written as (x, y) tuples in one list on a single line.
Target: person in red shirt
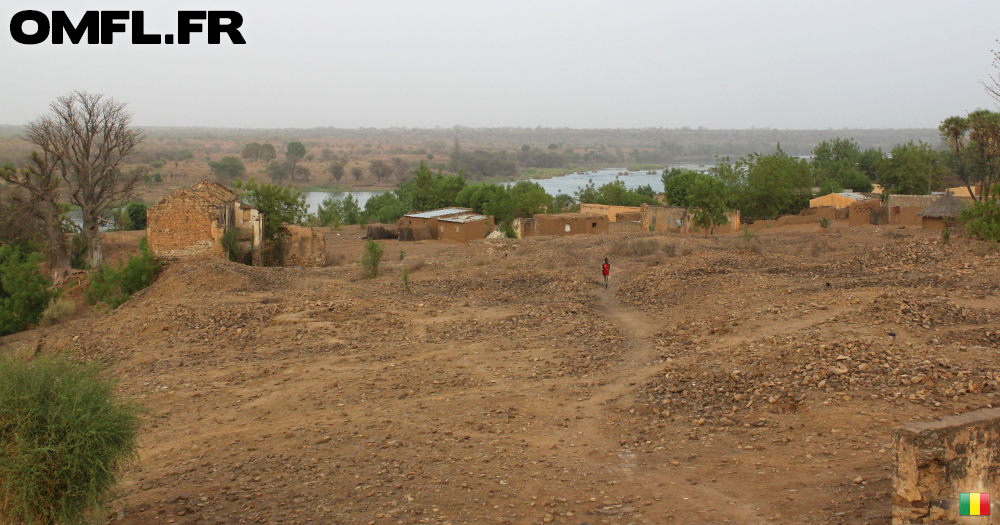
[(606, 269)]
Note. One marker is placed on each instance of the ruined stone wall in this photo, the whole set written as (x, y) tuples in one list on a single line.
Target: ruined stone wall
[(181, 225), (860, 213), (303, 246), (937, 461), (625, 227)]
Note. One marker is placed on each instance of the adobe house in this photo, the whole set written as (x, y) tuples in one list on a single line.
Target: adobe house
[(942, 214), (192, 220), (464, 228), (867, 212), (677, 219), (412, 225), (903, 209), (571, 223)]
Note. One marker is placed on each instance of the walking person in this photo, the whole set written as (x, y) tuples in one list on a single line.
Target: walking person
[(606, 269)]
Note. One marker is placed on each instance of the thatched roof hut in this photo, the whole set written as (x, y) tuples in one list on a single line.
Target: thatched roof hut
[(947, 207)]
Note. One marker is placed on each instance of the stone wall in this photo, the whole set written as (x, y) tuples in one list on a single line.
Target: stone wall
[(303, 246), (937, 461), (185, 222), (571, 223)]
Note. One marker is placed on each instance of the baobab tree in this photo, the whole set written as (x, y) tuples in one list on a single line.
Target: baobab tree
[(87, 136)]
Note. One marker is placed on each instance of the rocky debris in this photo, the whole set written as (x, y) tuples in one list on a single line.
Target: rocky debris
[(776, 373)]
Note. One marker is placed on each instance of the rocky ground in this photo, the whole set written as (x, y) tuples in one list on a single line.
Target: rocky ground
[(707, 385)]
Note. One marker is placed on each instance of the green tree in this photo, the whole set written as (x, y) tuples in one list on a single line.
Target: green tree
[(295, 151), (677, 186), (707, 203), (427, 191), (24, 292), (267, 152), (350, 210), (357, 173), (137, 215), (277, 204), (560, 202), (157, 178), (336, 171), (228, 168), (763, 186), (905, 170), (385, 208), (280, 170), (68, 439), (330, 212), (250, 151)]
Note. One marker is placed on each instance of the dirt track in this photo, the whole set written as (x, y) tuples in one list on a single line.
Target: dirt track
[(507, 386)]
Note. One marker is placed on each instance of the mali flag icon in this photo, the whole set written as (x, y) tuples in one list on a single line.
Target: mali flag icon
[(974, 504)]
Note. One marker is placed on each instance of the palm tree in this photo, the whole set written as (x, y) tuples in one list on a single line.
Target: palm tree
[(953, 130), (984, 126)]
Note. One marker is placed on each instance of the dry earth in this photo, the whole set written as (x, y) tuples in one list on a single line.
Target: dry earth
[(707, 385)]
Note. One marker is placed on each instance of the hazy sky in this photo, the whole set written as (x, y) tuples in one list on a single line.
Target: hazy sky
[(579, 64)]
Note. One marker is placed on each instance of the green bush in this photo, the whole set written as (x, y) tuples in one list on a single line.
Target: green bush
[(77, 254), (406, 278), (946, 235), (371, 259), (230, 242), (825, 222), (67, 441), (982, 220), (113, 286), (24, 291)]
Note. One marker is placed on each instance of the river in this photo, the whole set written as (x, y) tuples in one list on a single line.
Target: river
[(567, 184)]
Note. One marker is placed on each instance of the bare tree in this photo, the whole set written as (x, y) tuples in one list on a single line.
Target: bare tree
[(86, 137), (994, 90)]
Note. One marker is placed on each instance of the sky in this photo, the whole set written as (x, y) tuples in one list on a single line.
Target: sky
[(549, 63)]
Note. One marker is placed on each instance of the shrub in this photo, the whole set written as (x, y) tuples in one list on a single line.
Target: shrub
[(416, 264), (24, 291), (371, 259), (402, 255), (57, 310), (670, 249), (230, 242), (113, 286), (982, 220), (78, 253), (747, 234), (406, 278), (68, 440), (825, 222), (946, 235)]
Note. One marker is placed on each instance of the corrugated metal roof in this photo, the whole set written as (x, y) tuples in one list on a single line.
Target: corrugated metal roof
[(465, 218), (437, 213)]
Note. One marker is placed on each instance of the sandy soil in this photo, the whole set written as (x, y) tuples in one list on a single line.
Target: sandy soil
[(707, 385)]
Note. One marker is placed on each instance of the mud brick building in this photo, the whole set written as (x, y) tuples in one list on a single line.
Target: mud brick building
[(192, 220), (416, 226), (464, 228)]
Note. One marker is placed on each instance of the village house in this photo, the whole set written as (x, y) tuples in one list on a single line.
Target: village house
[(614, 213), (192, 220), (562, 224), (903, 209), (424, 225), (942, 214), (464, 228)]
